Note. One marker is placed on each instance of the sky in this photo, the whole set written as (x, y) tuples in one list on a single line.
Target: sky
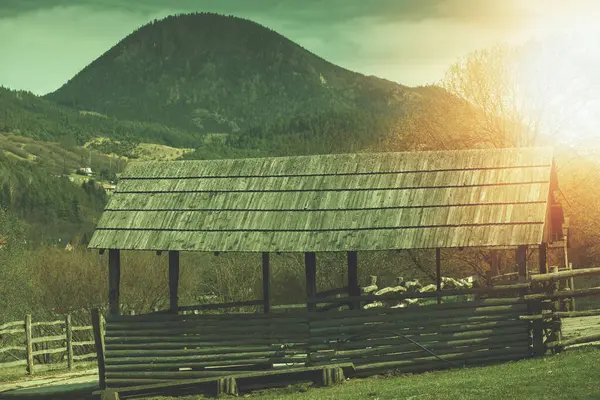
[(43, 43)]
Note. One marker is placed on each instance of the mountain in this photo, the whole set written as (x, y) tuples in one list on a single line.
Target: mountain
[(207, 73)]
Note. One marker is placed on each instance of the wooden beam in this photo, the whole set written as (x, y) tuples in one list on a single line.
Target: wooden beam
[(521, 259), (310, 264), (566, 274), (114, 278), (543, 252), (438, 272), (353, 288), (173, 281), (266, 280)]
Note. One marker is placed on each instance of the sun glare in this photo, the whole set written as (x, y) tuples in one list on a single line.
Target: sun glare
[(558, 73)]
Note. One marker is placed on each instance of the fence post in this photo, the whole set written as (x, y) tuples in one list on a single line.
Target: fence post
[(99, 341), (554, 288), (69, 331), (28, 344)]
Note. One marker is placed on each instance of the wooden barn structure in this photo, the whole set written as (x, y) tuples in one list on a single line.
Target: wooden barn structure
[(493, 198)]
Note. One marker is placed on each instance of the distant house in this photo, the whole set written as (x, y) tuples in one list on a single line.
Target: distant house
[(85, 171), (108, 187), (3, 241)]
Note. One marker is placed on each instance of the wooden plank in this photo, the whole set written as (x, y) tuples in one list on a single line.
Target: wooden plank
[(425, 339), (28, 344), (310, 264), (11, 364), (84, 356), (340, 164), (406, 295), (449, 307), (563, 294), (247, 318), (320, 220), (84, 343), (12, 331), (47, 323), (417, 354), (50, 351), (136, 358), (321, 240), (221, 305), (44, 339), (99, 342), (173, 281), (183, 349), (404, 346), (576, 340), (11, 348), (82, 328), (381, 320), (436, 364), (196, 327), (458, 357), (114, 278), (571, 314), (311, 201), (407, 180), (394, 330), (566, 274), (196, 377), (266, 282), (143, 356), (11, 324), (215, 336)]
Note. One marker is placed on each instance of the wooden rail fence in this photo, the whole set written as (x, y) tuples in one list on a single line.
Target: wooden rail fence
[(29, 343)]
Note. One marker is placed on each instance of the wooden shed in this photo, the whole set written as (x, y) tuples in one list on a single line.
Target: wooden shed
[(497, 198)]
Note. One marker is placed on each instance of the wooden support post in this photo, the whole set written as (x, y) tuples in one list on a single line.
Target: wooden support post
[(521, 259), (568, 267), (310, 264), (353, 288), (28, 344), (97, 327), (438, 274), (173, 281), (543, 252), (494, 261), (266, 281), (554, 288), (227, 386), (69, 333), (331, 376), (114, 278)]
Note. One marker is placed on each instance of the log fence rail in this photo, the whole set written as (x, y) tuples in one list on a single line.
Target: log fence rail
[(30, 343)]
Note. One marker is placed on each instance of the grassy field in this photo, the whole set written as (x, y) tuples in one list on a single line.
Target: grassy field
[(18, 374), (572, 375)]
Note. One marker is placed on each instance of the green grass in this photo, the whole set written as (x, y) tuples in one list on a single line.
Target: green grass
[(14, 374), (571, 375)]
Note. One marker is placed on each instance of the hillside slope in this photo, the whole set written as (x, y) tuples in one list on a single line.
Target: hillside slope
[(211, 73), (25, 114)]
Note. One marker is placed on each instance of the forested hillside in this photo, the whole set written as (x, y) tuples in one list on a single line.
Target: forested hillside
[(28, 115), (51, 206), (215, 74)]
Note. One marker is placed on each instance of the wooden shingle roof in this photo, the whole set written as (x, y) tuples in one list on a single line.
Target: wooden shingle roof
[(342, 202)]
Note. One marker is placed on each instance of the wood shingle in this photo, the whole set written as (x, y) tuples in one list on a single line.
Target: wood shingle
[(343, 202)]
